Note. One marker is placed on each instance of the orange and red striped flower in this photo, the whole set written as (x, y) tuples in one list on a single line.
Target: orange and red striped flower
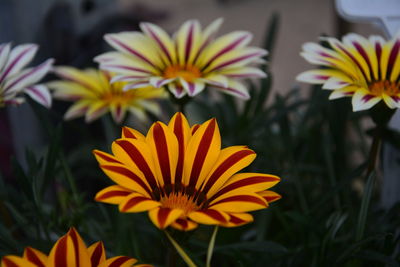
[(182, 177), (69, 251)]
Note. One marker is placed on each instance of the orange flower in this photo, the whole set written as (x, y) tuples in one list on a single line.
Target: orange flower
[(69, 251), (182, 177)]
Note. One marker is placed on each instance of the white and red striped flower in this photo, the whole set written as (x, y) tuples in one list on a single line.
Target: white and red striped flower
[(182, 177), (15, 80), (185, 63), (69, 251), (368, 70)]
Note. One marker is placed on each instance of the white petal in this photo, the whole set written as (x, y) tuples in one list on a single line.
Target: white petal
[(362, 100), (244, 72), (192, 88), (216, 80), (159, 82), (312, 76), (19, 57), (4, 54), (135, 85), (334, 83), (28, 77), (176, 90), (237, 89), (40, 94)]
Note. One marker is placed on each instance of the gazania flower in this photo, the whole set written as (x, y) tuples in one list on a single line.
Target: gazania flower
[(94, 95), (368, 70), (15, 80), (185, 63), (182, 177), (69, 251)]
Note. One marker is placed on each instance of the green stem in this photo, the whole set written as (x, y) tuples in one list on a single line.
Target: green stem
[(211, 246), (367, 194), (366, 200), (373, 154), (180, 250), (110, 128), (180, 102)]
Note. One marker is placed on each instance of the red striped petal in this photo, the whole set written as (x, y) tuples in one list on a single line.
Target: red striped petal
[(103, 157), (239, 203), (137, 203), (238, 219), (209, 216), (97, 254), (119, 261), (131, 133), (134, 150), (35, 256), (253, 182), (114, 194), (180, 126), (233, 159), (163, 217), (202, 152), (14, 261), (184, 225), (164, 146), (126, 178), (270, 196)]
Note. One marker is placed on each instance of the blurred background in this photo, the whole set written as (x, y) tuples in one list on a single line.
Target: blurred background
[(71, 31)]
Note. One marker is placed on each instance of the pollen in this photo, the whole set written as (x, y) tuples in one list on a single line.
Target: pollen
[(387, 87), (188, 72), (179, 201)]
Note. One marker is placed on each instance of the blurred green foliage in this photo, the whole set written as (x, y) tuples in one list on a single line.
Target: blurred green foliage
[(318, 147)]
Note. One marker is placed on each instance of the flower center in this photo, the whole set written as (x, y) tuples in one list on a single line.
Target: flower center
[(117, 96), (387, 87), (188, 72), (179, 201)]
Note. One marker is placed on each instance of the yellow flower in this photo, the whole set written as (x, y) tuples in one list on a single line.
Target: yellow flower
[(69, 251), (368, 70), (182, 177), (186, 62), (95, 95)]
